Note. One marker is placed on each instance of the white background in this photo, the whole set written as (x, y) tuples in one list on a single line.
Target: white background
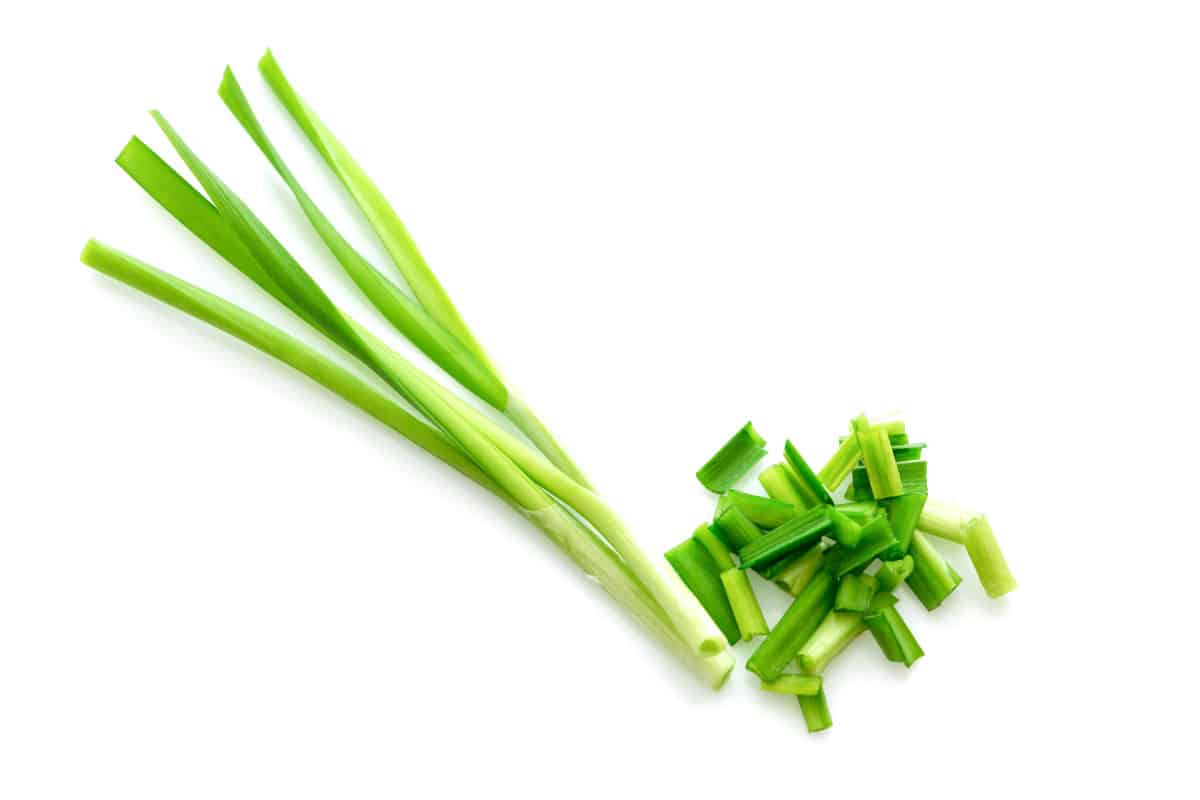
[(216, 580)]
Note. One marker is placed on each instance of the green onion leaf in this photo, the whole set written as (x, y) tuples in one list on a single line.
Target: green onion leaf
[(837, 630), (912, 481), (880, 463), (702, 576), (793, 574), (735, 458), (735, 529), (892, 573), (816, 711), (855, 593), (932, 579), (764, 512), (834, 473), (846, 531), (902, 514), (715, 547), (989, 562), (861, 512), (779, 483), (807, 483), (800, 685), (890, 631), (794, 627), (746, 610), (792, 536), (876, 538), (945, 521)]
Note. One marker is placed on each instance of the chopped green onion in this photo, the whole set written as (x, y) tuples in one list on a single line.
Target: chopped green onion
[(807, 483), (945, 521), (746, 610), (876, 538), (735, 458), (764, 512), (912, 480), (846, 531), (800, 685), (837, 630), (880, 464), (891, 632), (989, 562), (907, 452), (794, 573), (932, 579), (861, 512), (835, 471), (700, 573), (794, 627), (855, 592), (816, 711), (715, 547), (779, 484), (892, 573), (902, 514), (792, 536), (734, 529)]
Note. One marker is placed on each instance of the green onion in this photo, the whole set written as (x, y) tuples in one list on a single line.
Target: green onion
[(945, 521), (806, 482), (837, 630), (779, 484), (907, 452), (764, 512), (793, 574), (892, 573), (746, 610), (876, 538), (816, 711), (912, 481), (902, 514), (861, 512), (989, 562), (792, 536), (932, 579), (854, 593), (890, 631), (715, 547), (880, 463), (846, 531), (735, 458), (799, 685), (835, 472), (702, 575), (794, 627), (735, 529)]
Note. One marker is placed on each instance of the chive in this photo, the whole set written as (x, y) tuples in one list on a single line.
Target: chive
[(902, 514), (892, 573), (912, 480), (795, 573), (779, 484), (734, 529), (816, 711), (702, 576), (837, 630), (890, 631), (746, 610), (854, 593), (932, 579), (846, 531), (876, 538), (880, 464), (945, 521), (794, 627), (792, 536), (989, 562), (799, 685), (764, 512), (735, 458), (835, 471), (715, 547), (861, 512), (806, 483)]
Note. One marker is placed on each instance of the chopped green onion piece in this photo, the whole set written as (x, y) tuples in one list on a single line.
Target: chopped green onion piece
[(794, 627), (746, 610), (902, 514), (907, 452), (837, 630), (779, 484), (700, 573), (792, 536), (800, 685), (807, 483), (892, 573), (855, 592), (764, 512), (894, 439), (912, 480), (734, 529), (735, 458), (880, 464), (816, 711), (876, 538), (932, 579), (989, 562), (846, 531), (862, 512), (794, 573), (945, 521), (891, 632), (715, 547), (835, 471)]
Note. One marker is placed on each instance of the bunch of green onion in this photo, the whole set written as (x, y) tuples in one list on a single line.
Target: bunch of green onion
[(528, 469), (819, 549)]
